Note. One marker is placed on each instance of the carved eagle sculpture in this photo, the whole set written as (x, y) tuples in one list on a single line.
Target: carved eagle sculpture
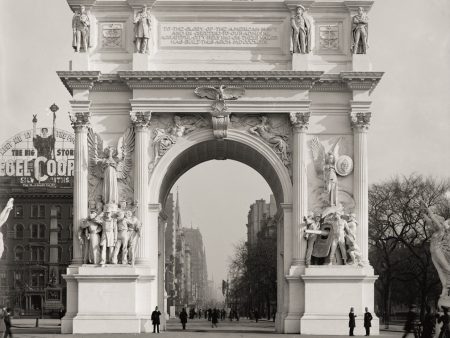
[(220, 94)]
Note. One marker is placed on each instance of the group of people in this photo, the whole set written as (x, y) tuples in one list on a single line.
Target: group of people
[(352, 321), (212, 315), (428, 325), (5, 322)]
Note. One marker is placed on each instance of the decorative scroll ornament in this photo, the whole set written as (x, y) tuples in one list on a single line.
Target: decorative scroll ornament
[(140, 119), (110, 166), (219, 109), (80, 120), (328, 164), (300, 120), (360, 121)]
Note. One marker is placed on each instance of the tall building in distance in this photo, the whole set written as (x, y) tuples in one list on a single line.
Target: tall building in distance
[(259, 217), (186, 278)]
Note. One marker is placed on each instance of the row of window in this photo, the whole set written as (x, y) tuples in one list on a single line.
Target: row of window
[(38, 211), (37, 253), (37, 230)]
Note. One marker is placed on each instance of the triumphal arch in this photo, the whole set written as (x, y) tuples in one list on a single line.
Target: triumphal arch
[(160, 86)]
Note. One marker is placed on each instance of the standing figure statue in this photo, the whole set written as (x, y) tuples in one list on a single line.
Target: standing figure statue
[(339, 228), (134, 232), (3, 217), (360, 32), (92, 227), (278, 142), (122, 238), (350, 238), (81, 27), (330, 178), (109, 236), (142, 30), (313, 222), (301, 32)]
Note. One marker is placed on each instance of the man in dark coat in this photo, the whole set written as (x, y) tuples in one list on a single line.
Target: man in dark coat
[(351, 321), (410, 325), (183, 318), (155, 320), (367, 321), (429, 324)]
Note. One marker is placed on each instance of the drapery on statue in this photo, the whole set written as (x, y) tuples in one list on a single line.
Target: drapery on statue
[(89, 233), (134, 232), (301, 32), (142, 30), (360, 32), (81, 28), (3, 217), (440, 250), (113, 165), (325, 166)]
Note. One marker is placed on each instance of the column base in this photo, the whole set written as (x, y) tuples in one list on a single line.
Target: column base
[(340, 288), (111, 299)]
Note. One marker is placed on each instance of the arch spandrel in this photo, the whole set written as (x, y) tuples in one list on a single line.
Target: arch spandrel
[(201, 146)]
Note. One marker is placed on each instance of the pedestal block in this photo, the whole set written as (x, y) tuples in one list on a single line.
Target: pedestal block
[(141, 62), (361, 63), (79, 62), (330, 292), (111, 299), (301, 62)]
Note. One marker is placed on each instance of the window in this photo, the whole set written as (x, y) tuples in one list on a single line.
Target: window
[(60, 229), (18, 253), (38, 211), (18, 231), (59, 254), (18, 279), (37, 253), (70, 253), (70, 231), (58, 211), (37, 278), (37, 230), (71, 212), (18, 211), (3, 280)]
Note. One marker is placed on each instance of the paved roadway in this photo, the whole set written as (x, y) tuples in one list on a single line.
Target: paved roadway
[(195, 329)]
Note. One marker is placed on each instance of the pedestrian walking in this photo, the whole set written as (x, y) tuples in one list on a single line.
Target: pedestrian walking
[(8, 332), (214, 318), (445, 320), (351, 321), (155, 320), (410, 325), (367, 321), (2, 322), (256, 314), (429, 323), (183, 318)]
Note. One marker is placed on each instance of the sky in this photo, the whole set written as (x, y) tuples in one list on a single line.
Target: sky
[(410, 130)]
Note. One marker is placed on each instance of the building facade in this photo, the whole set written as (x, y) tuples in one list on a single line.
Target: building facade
[(259, 216)]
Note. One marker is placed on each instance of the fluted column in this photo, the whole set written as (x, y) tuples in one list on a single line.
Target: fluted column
[(360, 124), (300, 121), (80, 124), (141, 121)]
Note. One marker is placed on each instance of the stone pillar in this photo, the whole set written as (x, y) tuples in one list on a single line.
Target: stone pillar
[(141, 121), (80, 123), (360, 124), (299, 122)]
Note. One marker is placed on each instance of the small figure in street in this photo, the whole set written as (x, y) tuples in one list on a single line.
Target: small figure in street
[(214, 318), (410, 325), (429, 324), (183, 318), (445, 320), (256, 314), (351, 321), (155, 320), (8, 332), (367, 321)]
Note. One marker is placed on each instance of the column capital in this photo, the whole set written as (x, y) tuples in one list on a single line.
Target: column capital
[(300, 120), (140, 120), (360, 121), (80, 120)]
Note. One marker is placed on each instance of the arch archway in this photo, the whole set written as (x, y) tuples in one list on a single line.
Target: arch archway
[(202, 146)]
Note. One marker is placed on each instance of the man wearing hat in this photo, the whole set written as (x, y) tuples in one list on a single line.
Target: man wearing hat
[(301, 32)]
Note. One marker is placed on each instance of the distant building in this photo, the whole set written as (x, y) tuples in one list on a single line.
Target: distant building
[(259, 215)]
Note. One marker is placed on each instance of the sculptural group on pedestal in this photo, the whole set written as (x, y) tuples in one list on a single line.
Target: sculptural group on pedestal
[(327, 232), (110, 237)]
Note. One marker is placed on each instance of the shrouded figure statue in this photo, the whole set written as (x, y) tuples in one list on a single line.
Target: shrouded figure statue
[(3, 217), (81, 30), (360, 32), (142, 30), (109, 236), (301, 32)]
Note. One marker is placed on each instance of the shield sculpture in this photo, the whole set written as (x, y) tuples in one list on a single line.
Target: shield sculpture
[(322, 244)]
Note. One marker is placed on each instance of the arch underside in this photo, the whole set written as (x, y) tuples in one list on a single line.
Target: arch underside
[(220, 150)]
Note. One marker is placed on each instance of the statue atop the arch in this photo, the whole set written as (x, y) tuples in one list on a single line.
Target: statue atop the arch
[(81, 28), (328, 165), (142, 30), (3, 217), (110, 165), (360, 32), (301, 32)]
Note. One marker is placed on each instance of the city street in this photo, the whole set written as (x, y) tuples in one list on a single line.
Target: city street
[(195, 328)]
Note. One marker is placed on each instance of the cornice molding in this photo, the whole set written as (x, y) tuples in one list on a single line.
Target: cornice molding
[(361, 80), (78, 79)]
